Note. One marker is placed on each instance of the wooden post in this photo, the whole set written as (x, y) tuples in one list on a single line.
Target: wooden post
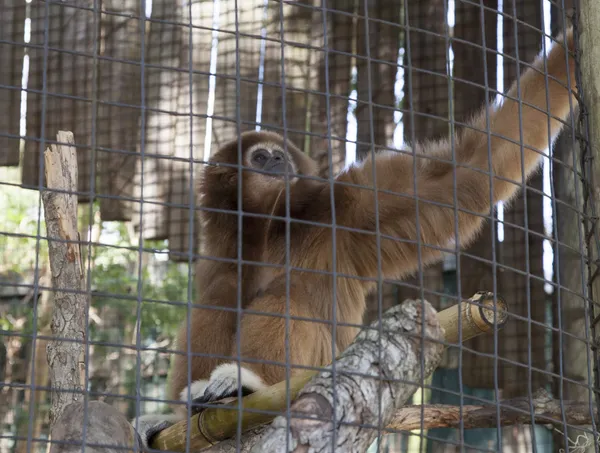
[(589, 59), (65, 351)]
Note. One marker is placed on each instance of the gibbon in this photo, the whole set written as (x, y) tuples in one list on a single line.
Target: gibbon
[(293, 223)]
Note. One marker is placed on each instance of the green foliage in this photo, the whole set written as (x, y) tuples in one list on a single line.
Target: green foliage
[(116, 287), (117, 280), (121, 285), (21, 224), (21, 249)]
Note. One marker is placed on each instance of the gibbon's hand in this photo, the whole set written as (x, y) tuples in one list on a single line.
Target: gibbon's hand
[(224, 383)]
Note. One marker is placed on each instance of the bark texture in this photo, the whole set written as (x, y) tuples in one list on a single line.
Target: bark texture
[(65, 351), (100, 427)]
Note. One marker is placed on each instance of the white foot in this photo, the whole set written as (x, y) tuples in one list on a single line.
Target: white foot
[(196, 390)]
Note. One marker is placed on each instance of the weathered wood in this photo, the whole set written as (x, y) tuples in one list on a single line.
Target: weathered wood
[(163, 45), (589, 59), (70, 306), (105, 430), (61, 85), (119, 111), (396, 358), (12, 50), (215, 424)]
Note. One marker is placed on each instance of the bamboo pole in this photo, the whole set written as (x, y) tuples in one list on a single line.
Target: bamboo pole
[(479, 314)]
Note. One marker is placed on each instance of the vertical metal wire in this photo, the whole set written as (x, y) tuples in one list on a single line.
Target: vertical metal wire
[(416, 192), (492, 243), (36, 273), (97, 11), (240, 214), (140, 248), (452, 143), (331, 181), (377, 227), (191, 211), (557, 251), (523, 185), (287, 267)]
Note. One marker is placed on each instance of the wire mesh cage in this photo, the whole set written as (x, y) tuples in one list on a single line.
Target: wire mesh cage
[(297, 217)]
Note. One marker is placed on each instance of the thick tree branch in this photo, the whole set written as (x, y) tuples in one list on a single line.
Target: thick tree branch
[(65, 352), (335, 405)]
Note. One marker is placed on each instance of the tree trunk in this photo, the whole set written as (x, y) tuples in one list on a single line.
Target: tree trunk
[(572, 354), (570, 305)]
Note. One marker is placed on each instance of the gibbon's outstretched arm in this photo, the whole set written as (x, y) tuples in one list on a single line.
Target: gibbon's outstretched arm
[(435, 180)]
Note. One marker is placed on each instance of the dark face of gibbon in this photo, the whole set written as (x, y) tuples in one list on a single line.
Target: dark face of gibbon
[(267, 158), (270, 160)]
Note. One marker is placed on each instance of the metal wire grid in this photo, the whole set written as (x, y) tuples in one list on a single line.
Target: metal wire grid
[(124, 149)]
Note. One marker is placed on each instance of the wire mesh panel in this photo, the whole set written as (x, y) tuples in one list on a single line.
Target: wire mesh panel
[(283, 207)]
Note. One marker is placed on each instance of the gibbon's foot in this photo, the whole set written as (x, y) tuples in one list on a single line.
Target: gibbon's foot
[(223, 383), (148, 426)]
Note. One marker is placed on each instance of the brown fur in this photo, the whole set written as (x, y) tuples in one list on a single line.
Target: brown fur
[(310, 291)]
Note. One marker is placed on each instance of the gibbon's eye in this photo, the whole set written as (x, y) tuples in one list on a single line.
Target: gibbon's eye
[(261, 156)]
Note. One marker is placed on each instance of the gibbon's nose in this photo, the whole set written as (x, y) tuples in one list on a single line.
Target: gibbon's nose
[(275, 164)]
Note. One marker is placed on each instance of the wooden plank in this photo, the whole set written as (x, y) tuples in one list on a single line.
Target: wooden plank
[(12, 50)]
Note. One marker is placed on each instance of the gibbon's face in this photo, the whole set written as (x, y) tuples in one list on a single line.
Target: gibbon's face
[(271, 160), (267, 157)]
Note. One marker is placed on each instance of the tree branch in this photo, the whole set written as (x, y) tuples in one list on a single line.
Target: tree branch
[(513, 411)]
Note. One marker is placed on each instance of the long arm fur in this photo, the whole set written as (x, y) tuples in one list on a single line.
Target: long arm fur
[(511, 124)]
